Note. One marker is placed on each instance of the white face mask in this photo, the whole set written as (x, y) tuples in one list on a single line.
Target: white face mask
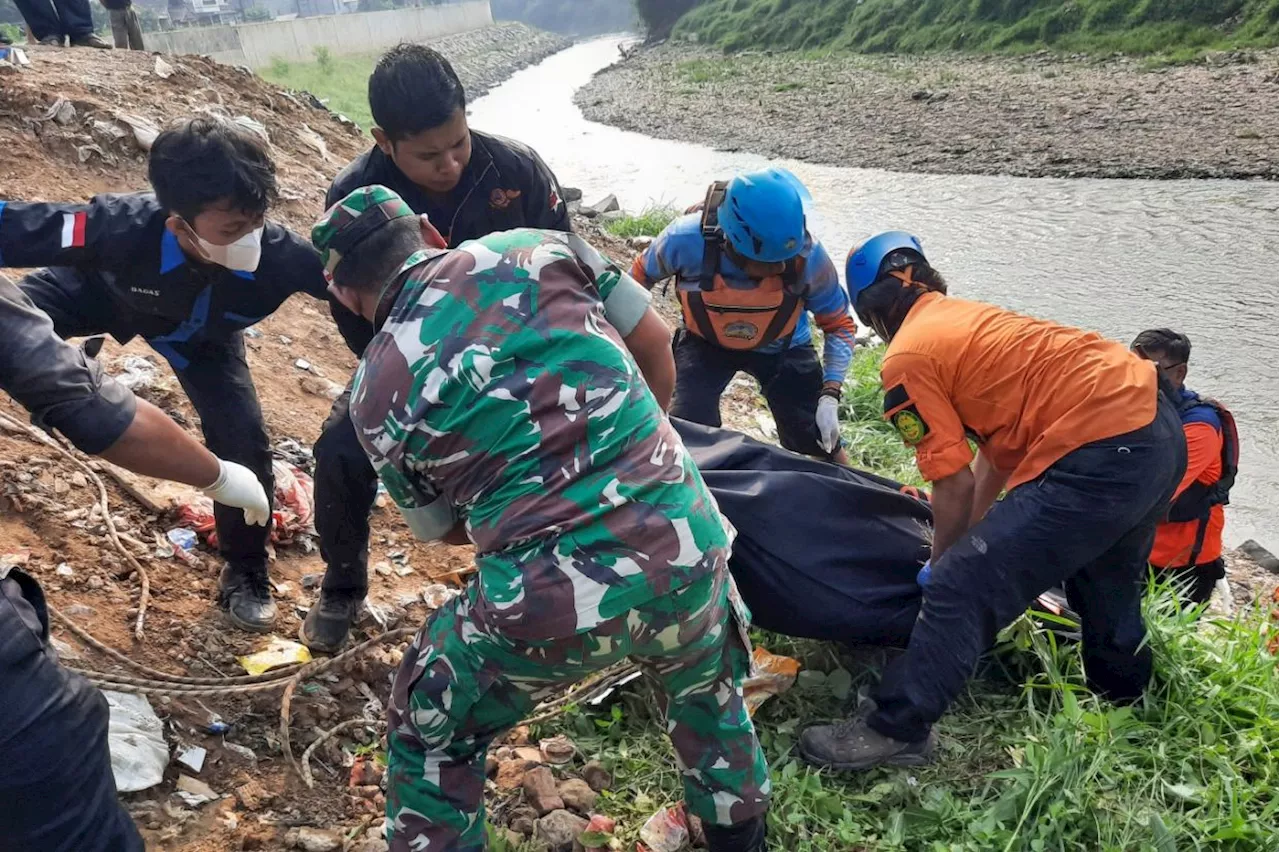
[(241, 256)]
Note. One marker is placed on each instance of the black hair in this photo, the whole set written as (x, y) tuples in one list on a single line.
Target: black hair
[(372, 262), (1164, 341), (413, 88), (884, 305), (198, 162)]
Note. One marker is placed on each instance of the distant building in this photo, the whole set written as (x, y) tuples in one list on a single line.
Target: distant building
[(203, 13)]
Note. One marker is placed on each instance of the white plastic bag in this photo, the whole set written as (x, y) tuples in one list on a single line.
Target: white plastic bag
[(135, 737)]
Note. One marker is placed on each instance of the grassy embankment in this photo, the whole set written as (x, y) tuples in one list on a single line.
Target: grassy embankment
[(1179, 29), (341, 81), (1029, 760)]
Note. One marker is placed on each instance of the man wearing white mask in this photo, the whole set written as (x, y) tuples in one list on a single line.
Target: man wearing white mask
[(187, 268)]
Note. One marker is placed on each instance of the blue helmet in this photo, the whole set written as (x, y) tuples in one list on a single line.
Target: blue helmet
[(762, 216), (862, 269)]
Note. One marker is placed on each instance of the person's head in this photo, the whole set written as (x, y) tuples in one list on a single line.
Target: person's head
[(1170, 350), (216, 180), (762, 219), (364, 241), (885, 276), (420, 116)]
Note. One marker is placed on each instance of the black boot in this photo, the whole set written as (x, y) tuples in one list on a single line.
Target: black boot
[(741, 837), (245, 593), (327, 623)]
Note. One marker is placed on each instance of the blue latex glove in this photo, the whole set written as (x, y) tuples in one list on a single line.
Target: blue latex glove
[(926, 571)]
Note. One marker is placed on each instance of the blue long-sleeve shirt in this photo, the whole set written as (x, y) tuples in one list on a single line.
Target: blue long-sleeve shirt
[(678, 252)]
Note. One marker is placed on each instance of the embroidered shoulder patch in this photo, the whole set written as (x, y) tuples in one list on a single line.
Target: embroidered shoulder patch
[(910, 425)]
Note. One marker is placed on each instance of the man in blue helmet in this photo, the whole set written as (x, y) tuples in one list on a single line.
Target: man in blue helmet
[(748, 273), (1077, 431)]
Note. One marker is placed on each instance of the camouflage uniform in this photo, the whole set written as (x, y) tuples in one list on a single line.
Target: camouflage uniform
[(498, 388)]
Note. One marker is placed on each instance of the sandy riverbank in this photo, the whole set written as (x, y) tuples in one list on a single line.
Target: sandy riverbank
[(1031, 116)]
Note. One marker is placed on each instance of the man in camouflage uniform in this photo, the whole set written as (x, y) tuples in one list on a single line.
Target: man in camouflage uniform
[(500, 401)]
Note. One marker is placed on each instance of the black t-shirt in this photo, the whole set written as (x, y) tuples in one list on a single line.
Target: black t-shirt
[(506, 185)]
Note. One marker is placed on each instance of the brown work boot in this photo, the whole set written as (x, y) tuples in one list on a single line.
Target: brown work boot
[(90, 40)]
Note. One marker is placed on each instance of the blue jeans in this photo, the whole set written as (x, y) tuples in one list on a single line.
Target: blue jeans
[(1088, 522)]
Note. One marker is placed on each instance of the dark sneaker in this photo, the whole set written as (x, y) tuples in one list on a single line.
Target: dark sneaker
[(854, 745), (53, 41), (90, 40), (327, 623), (245, 594)]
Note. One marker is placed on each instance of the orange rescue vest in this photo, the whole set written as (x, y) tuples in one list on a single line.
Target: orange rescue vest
[(734, 317)]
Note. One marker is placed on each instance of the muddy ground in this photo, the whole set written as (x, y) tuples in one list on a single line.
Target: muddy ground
[(1035, 116)]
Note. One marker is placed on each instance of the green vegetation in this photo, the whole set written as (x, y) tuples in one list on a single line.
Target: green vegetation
[(649, 223), (1029, 760), (1181, 28), (341, 81), (571, 17), (871, 442)]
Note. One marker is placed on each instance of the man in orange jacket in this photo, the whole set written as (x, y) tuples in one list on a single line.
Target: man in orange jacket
[(1090, 450), (1189, 544)]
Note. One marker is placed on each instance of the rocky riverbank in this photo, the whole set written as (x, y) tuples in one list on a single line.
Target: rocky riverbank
[(1034, 116), (486, 57)]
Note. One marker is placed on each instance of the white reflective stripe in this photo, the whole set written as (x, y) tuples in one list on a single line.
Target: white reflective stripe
[(430, 522), (626, 305)]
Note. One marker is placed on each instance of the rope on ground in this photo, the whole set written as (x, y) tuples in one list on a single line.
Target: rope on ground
[(145, 581), (341, 726)]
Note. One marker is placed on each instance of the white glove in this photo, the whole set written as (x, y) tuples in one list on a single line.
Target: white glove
[(237, 486), (828, 419)]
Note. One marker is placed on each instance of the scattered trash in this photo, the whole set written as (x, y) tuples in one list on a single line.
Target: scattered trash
[(193, 792), (252, 795), (771, 674), (382, 499), (437, 595), (665, 831), (312, 581), (600, 699), (193, 758), (598, 833), (252, 333), (317, 386), (217, 726), (241, 751), (279, 652), (135, 738), (302, 364), (163, 69), (293, 518), (382, 568), (144, 131), (404, 570), (64, 570), (139, 373), (313, 840), (62, 111), (314, 140), (13, 559), (14, 55), (181, 537)]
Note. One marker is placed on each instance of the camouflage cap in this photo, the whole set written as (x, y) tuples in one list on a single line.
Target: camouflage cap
[(355, 217)]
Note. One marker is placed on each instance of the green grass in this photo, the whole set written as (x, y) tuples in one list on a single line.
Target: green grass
[(1185, 29), (649, 223), (342, 81), (871, 442)]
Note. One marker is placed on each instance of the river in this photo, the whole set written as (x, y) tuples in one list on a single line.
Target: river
[(1113, 255)]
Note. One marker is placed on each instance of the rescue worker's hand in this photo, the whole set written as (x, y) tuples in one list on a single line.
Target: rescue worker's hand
[(828, 419), (237, 486)]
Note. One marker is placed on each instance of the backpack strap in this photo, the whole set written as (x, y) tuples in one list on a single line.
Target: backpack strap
[(790, 303), (712, 236)]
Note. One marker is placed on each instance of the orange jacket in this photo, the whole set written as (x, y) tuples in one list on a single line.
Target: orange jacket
[(1174, 542), (1026, 390)]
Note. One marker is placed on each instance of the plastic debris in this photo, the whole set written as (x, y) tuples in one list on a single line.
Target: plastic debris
[(241, 751), (665, 831), (217, 726), (64, 570), (138, 373), (293, 517), (279, 652), (771, 674), (193, 758), (437, 595), (135, 738), (302, 364), (144, 131), (252, 333), (183, 538), (193, 792), (62, 111)]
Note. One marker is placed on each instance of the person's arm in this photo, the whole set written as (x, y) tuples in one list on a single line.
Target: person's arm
[(1204, 448), (544, 205), (658, 262), (37, 234), (989, 481), (829, 303), (952, 505), (627, 308), (917, 405)]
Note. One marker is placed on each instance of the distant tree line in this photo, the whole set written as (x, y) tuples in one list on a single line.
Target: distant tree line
[(570, 17)]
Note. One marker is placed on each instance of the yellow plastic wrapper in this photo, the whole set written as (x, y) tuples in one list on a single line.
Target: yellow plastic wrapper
[(771, 674), (279, 652)]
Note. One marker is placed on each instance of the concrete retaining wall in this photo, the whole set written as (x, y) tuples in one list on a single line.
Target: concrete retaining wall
[(255, 45)]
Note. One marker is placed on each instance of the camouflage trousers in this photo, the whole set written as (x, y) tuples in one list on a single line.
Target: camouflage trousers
[(460, 687)]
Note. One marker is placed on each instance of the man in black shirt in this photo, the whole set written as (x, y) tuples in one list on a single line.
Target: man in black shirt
[(469, 184), (187, 269)]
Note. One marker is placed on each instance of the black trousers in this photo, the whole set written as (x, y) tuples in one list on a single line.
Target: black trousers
[(217, 382), (346, 486), (57, 793), (791, 381), (1088, 523), (57, 17)]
